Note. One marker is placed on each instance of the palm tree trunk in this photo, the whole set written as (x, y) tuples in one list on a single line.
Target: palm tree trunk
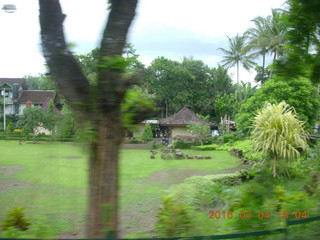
[(238, 83), (238, 73), (263, 67)]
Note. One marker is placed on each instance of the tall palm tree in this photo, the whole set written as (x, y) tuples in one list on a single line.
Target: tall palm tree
[(259, 39), (278, 31), (268, 36), (237, 54)]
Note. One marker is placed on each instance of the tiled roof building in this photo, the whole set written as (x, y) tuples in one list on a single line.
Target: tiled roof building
[(17, 95)]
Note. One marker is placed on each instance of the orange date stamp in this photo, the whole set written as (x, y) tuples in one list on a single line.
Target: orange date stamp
[(256, 215)]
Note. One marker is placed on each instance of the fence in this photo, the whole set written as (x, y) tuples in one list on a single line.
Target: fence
[(225, 236)]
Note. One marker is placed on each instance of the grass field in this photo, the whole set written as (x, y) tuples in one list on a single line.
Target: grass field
[(50, 180)]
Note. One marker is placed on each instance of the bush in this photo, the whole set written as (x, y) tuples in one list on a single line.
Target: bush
[(174, 219), (182, 145), (206, 147), (229, 137), (16, 219), (147, 133)]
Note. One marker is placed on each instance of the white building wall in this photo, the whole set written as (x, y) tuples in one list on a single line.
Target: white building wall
[(22, 106)]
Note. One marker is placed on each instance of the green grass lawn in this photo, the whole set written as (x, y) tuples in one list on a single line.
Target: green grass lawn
[(50, 179)]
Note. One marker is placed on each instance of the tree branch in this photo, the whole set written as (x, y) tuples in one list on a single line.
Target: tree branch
[(110, 92), (63, 68)]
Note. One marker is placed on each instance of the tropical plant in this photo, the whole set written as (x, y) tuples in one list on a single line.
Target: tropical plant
[(237, 54), (268, 36), (278, 133), (259, 38)]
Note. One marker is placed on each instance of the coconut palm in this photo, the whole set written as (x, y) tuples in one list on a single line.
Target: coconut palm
[(278, 31), (268, 36), (259, 39), (237, 54), (278, 133)]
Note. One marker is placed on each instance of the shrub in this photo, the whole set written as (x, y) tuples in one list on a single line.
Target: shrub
[(279, 134), (16, 219), (182, 145), (147, 133), (174, 220), (206, 147), (136, 141), (10, 127), (229, 137)]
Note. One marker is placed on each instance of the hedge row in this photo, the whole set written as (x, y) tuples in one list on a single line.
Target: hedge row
[(12, 136)]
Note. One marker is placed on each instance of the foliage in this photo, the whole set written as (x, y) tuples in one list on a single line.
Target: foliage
[(188, 83), (32, 118), (67, 126), (137, 103), (226, 104), (10, 127), (147, 133), (183, 145), (237, 54), (199, 130), (278, 133), (174, 220), (40, 82), (299, 93), (16, 218), (39, 229), (205, 147), (50, 116), (303, 57), (88, 62), (17, 131)]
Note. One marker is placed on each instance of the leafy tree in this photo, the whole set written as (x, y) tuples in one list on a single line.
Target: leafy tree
[(170, 82), (188, 83), (147, 133), (89, 62), (298, 93), (51, 117), (303, 58), (237, 54), (199, 130), (226, 104), (220, 82), (66, 124), (97, 104), (40, 82), (32, 120), (278, 133), (263, 74)]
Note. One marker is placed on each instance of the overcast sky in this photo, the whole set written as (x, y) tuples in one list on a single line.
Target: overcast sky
[(170, 28)]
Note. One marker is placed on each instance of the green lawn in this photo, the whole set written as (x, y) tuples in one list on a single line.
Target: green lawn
[(49, 179)]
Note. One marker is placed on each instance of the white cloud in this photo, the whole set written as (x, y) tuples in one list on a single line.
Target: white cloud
[(169, 28)]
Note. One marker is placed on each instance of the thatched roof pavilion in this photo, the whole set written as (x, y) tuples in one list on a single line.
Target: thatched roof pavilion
[(183, 118)]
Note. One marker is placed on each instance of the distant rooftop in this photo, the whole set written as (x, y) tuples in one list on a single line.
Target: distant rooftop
[(183, 118)]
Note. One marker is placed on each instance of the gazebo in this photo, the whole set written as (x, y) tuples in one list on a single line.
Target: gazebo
[(178, 122)]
